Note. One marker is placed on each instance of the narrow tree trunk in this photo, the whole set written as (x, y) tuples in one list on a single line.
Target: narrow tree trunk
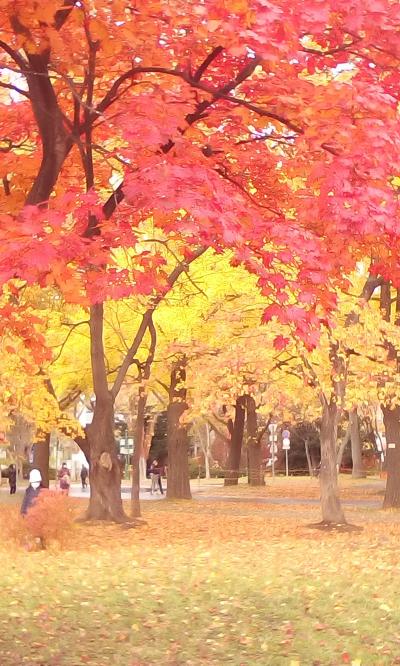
[(391, 418), (342, 448), (235, 449), (105, 472), (41, 454), (330, 503), (309, 463), (356, 446), (207, 452), (178, 481), (256, 476), (137, 454)]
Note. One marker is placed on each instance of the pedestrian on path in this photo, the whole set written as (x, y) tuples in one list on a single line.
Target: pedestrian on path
[(155, 475), (84, 476), (12, 479), (64, 479), (32, 491)]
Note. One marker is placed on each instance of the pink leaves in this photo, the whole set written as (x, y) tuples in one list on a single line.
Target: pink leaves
[(281, 342)]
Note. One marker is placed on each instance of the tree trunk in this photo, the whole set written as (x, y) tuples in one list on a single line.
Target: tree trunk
[(255, 474), (178, 481), (235, 449), (309, 463), (137, 454), (207, 452), (84, 446), (342, 448), (105, 472), (391, 418), (41, 453), (332, 511), (356, 446)]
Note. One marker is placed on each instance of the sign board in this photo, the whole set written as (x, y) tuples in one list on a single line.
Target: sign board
[(286, 443), (273, 448), (272, 427), (285, 434), (391, 445), (273, 438)]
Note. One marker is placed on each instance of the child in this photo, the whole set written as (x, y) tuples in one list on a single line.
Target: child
[(32, 491)]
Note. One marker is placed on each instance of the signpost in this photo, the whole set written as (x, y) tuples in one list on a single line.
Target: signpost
[(273, 438), (286, 447), (126, 447)]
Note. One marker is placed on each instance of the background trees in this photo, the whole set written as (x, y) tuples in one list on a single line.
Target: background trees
[(270, 132)]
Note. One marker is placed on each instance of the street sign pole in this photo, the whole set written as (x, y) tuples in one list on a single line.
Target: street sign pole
[(286, 447)]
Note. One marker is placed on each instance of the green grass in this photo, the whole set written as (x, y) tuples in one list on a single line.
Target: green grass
[(207, 583)]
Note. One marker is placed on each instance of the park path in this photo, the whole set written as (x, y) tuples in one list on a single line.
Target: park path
[(207, 493)]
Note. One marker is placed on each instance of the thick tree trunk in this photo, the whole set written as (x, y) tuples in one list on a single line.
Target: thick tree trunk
[(137, 454), (178, 481), (235, 449), (255, 472), (332, 511), (41, 453), (356, 446), (391, 418), (105, 472)]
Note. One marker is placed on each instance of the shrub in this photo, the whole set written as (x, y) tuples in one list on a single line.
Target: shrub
[(49, 521)]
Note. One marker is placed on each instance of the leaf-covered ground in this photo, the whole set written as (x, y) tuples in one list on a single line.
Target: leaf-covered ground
[(237, 583)]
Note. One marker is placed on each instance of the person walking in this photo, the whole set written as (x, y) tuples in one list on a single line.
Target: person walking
[(12, 479), (64, 479), (32, 491), (155, 475), (84, 476)]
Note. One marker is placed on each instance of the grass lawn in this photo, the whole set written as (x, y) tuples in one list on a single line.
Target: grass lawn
[(207, 583)]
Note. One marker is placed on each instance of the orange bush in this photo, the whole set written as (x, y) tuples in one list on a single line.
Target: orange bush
[(50, 520)]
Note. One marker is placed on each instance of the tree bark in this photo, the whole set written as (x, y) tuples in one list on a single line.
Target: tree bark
[(178, 482), (391, 418), (41, 453), (342, 448), (255, 472), (356, 446), (235, 449), (105, 474), (138, 453), (332, 511), (309, 463)]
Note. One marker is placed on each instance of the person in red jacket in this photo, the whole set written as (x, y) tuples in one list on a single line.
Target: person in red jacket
[(64, 479)]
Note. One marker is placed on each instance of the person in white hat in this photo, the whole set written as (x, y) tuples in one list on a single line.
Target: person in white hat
[(32, 491)]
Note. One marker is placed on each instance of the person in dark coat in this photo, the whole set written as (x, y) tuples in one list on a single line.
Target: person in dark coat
[(12, 479), (84, 476), (155, 475), (32, 491)]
